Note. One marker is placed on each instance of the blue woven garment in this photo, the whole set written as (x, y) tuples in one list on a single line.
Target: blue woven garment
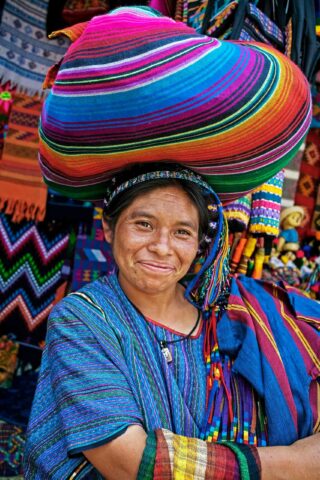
[(103, 370)]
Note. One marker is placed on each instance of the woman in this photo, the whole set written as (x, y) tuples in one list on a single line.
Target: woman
[(125, 356), (143, 375)]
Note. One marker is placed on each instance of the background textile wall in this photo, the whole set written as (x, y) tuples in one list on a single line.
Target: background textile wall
[(309, 178), (23, 193), (31, 261)]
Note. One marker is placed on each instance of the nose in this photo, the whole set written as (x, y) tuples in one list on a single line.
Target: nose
[(161, 243)]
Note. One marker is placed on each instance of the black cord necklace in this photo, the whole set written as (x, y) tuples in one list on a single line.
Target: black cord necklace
[(164, 343)]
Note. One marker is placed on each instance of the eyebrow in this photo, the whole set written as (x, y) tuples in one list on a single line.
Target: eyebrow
[(142, 213)]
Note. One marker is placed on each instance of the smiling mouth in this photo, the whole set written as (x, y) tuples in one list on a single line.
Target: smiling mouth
[(155, 267)]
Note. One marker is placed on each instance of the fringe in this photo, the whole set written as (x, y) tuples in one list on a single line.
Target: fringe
[(23, 209), (19, 88)]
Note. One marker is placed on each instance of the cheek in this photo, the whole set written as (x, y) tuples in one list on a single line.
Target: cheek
[(187, 253), (127, 244)]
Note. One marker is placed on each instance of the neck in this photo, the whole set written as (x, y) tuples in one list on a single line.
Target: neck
[(170, 308)]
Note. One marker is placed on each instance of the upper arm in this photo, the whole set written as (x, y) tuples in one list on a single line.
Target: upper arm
[(84, 398), (120, 458), (90, 379)]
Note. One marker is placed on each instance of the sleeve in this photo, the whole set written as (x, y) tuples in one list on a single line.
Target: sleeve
[(172, 457), (89, 377)]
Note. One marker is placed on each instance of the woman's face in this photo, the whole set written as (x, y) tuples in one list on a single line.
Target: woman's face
[(155, 240)]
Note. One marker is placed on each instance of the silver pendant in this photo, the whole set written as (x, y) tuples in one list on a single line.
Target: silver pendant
[(166, 352)]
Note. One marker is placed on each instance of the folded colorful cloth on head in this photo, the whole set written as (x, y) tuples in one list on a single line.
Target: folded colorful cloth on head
[(139, 87)]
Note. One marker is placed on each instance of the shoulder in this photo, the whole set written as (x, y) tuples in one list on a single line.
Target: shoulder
[(94, 295), (96, 304)]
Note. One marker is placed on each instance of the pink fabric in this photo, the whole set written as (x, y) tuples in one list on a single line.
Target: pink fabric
[(161, 6)]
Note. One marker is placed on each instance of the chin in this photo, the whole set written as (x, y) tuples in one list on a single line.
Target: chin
[(156, 284)]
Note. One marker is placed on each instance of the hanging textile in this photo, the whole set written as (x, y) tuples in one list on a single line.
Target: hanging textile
[(93, 256), (76, 11), (31, 260), (25, 51), (238, 213), (287, 26), (309, 178), (291, 177), (266, 205), (23, 192), (315, 223)]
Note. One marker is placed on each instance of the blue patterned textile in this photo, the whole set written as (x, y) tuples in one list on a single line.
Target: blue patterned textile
[(97, 336), (25, 51), (103, 370)]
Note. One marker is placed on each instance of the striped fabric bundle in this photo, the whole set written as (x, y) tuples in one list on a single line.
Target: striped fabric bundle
[(139, 87)]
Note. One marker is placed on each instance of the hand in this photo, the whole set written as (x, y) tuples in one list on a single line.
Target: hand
[(299, 461)]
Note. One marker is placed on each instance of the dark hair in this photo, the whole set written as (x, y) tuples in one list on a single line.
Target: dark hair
[(124, 199)]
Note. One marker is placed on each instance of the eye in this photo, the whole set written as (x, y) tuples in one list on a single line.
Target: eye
[(144, 224), (184, 233)]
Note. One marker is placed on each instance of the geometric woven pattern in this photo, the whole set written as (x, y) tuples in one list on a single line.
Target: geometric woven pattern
[(31, 259), (309, 178), (291, 177), (26, 53), (93, 256)]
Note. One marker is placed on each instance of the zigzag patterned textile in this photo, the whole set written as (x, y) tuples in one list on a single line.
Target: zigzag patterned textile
[(309, 178), (25, 51), (31, 260), (23, 193), (93, 256), (159, 91)]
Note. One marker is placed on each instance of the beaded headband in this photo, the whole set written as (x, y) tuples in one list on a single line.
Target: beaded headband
[(206, 285)]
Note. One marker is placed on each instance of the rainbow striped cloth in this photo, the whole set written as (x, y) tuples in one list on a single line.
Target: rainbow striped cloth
[(136, 86)]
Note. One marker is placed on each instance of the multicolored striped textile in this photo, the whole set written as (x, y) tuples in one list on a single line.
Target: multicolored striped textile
[(238, 213), (23, 193), (173, 457), (266, 206), (139, 87), (97, 335), (31, 260), (274, 331)]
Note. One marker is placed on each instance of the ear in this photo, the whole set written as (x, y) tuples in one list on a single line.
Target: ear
[(108, 233)]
